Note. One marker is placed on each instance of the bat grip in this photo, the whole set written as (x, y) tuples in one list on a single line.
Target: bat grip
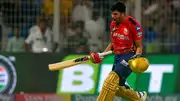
[(105, 53)]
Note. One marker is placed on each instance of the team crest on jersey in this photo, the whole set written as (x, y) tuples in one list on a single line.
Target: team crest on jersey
[(139, 34), (138, 28), (126, 31)]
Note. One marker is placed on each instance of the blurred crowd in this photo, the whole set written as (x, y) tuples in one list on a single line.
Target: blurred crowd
[(161, 23), (27, 25)]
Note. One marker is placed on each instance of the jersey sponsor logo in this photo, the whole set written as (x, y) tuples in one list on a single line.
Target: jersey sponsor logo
[(138, 28), (121, 36)]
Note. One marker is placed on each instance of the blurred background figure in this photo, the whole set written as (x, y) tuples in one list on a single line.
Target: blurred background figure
[(82, 10), (96, 30), (40, 39), (162, 18), (78, 42), (16, 42)]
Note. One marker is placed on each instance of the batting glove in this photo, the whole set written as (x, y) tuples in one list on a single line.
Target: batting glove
[(95, 57)]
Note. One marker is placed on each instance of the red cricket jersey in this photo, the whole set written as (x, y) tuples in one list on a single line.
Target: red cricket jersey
[(124, 35)]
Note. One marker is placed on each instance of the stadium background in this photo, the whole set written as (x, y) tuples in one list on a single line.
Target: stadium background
[(32, 81)]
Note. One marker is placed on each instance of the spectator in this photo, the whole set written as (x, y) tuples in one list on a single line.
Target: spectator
[(150, 38), (78, 43), (24, 30), (71, 30), (40, 39), (82, 11), (172, 37), (15, 43), (36, 26), (66, 33), (96, 30)]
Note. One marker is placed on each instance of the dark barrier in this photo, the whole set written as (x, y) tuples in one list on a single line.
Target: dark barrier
[(32, 71)]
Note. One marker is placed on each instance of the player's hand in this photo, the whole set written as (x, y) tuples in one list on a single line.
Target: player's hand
[(95, 57), (136, 56)]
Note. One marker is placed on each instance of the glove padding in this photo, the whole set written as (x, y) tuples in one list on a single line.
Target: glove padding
[(136, 56), (95, 58)]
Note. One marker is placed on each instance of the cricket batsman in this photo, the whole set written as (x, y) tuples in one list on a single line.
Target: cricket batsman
[(126, 44)]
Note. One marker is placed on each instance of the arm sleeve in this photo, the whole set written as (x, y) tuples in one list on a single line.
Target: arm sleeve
[(136, 31)]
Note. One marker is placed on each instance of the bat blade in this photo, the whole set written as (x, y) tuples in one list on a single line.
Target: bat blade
[(72, 62), (68, 63)]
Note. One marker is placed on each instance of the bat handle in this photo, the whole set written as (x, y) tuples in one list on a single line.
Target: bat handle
[(105, 53)]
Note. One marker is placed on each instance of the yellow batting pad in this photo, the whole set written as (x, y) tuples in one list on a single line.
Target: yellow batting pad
[(128, 94), (120, 93), (109, 88)]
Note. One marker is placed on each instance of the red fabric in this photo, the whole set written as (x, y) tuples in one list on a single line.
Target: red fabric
[(124, 35), (123, 51), (95, 58)]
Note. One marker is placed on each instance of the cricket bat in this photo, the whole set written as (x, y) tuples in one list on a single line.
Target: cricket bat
[(72, 62)]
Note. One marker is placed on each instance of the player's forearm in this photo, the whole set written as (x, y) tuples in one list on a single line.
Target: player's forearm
[(139, 50), (139, 47), (109, 47)]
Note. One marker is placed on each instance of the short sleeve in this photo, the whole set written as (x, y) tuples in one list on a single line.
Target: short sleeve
[(136, 29)]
